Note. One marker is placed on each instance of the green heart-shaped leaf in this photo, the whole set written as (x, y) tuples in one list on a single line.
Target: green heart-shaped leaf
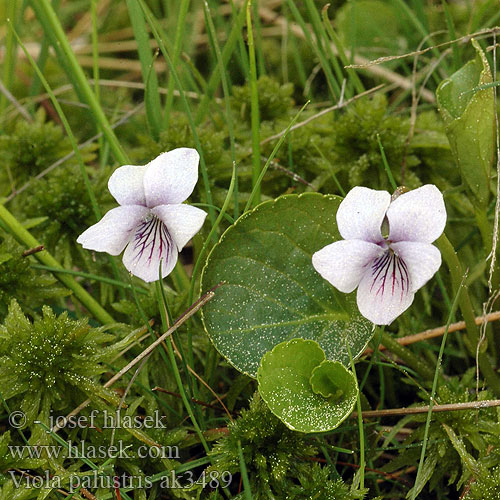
[(272, 292), (284, 379)]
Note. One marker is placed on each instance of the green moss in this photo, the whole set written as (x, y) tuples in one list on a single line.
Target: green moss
[(62, 199), (19, 280), (276, 458), (53, 362), (275, 100), (30, 147)]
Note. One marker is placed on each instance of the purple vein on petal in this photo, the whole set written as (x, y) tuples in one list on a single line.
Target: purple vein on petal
[(390, 266), (148, 234)]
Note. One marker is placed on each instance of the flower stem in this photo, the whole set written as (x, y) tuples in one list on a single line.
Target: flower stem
[(432, 399), (25, 237), (407, 356), (361, 429), (175, 368), (465, 304)]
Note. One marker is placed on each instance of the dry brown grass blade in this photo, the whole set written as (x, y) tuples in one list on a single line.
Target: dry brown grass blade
[(464, 39), (473, 405), (340, 105), (438, 332), (228, 413), (270, 16)]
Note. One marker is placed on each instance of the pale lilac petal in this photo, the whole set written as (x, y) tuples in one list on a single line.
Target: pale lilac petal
[(385, 290), (170, 178), (419, 215), (422, 260), (344, 263), (150, 245), (114, 230), (126, 184), (182, 221), (361, 213)]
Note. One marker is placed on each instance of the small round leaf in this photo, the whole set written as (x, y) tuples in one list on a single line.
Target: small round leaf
[(284, 384)]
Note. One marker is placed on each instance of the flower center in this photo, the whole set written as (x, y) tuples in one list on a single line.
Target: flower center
[(390, 274), (152, 240)]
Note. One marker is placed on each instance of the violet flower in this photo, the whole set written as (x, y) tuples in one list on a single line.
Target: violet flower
[(387, 269), (151, 223)]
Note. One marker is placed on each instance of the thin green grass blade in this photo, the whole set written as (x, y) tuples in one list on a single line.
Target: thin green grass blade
[(9, 61), (227, 51), (325, 47), (179, 35), (254, 110), (358, 85), (95, 62), (90, 276), (387, 168), (361, 428), (152, 96), (457, 62), (417, 487), (54, 31), (225, 87), (256, 188), (244, 474), (67, 128), (333, 85)]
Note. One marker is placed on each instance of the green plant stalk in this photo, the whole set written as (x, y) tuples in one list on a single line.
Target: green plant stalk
[(254, 109), (434, 386), (358, 85), (225, 87), (89, 276), (258, 38), (181, 24), (386, 164), (244, 474), (62, 116), (95, 61), (52, 27), (407, 356), (321, 36), (151, 94), (177, 374), (333, 85), (26, 238), (10, 49), (228, 49), (167, 319), (361, 429), (373, 358), (457, 62), (453, 263), (256, 188), (201, 256)]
